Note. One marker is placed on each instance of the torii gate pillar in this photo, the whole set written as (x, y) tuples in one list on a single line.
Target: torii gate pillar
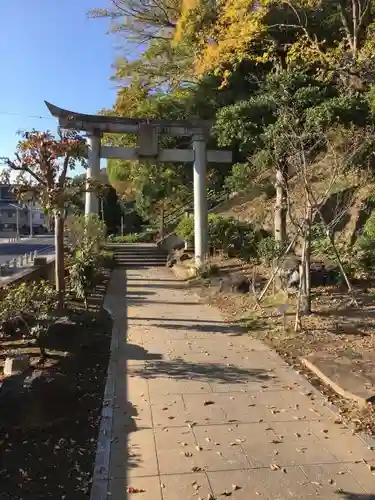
[(200, 199), (92, 171)]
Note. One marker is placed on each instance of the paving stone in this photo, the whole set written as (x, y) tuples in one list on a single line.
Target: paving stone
[(185, 486), (133, 454), (262, 483), (151, 486), (164, 385), (292, 446), (205, 409), (168, 410), (176, 449), (340, 441), (332, 481), (284, 397), (364, 474), (134, 416)]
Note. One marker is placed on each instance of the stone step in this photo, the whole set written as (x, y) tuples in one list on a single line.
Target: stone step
[(138, 255)]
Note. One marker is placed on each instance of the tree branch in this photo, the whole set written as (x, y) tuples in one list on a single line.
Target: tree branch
[(23, 168)]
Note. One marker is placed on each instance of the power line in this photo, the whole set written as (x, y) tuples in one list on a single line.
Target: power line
[(6, 113)]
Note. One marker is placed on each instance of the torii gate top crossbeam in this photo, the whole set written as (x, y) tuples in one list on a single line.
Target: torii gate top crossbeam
[(114, 124)]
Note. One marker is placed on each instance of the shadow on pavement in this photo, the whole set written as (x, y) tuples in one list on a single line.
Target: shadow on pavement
[(135, 352), (345, 495), (211, 328), (205, 372)]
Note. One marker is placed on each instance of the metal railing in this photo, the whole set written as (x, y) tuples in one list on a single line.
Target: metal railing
[(172, 219)]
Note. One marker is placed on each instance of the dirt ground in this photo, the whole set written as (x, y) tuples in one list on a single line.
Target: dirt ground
[(48, 434), (335, 325)]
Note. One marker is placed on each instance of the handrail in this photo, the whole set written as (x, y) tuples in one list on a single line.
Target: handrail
[(172, 219)]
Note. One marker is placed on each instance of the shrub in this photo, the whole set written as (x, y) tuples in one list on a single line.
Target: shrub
[(83, 275), (33, 305), (185, 229), (320, 244), (234, 238), (207, 270), (106, 259), (86, 233), (143, 237), (269, 249)]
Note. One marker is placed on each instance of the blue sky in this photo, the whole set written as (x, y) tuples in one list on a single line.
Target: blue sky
[(50, 50)]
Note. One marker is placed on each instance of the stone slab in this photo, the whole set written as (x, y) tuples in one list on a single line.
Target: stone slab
[(350, 375)]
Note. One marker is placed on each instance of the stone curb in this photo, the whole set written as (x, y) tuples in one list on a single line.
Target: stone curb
[(330, 383), (100, 478)]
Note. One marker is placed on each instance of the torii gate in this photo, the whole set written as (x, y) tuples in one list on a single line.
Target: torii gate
[(148, 132)]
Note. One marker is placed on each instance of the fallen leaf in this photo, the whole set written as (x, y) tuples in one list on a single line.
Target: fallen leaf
[(135, 490)]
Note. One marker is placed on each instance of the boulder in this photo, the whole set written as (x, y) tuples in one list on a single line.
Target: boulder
[(241, 284)]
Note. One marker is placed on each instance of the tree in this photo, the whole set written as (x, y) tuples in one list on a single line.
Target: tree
[(48, 161), (320, 34), (256, 126), (150, 23)]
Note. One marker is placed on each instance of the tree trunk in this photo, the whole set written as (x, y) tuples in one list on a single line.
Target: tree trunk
[(306, 290), (162, 223), (280, 206), (59, 261)]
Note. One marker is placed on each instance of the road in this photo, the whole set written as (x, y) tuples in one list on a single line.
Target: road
[(43, 245)]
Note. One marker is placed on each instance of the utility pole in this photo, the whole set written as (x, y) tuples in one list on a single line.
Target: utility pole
[(17, 220), (31, 219)]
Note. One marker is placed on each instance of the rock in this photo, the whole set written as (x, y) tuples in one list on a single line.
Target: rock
[(241, 284), (36, 400), (171, 262), (16, 364), (185, 256)]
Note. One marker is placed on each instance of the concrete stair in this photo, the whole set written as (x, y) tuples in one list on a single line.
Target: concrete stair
[(138, 255)]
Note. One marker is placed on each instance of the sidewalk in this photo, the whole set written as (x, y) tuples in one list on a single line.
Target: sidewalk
[(195, 409)]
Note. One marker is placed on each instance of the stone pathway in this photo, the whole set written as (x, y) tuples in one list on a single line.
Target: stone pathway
[(195, 409)]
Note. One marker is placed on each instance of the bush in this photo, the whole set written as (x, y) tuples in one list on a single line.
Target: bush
[(144, 237), (83, 275), (269, 249), (106, 259), (31, 304), (86, 233), (208, 270), (320, 244), (234, 238), (185, 229)]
